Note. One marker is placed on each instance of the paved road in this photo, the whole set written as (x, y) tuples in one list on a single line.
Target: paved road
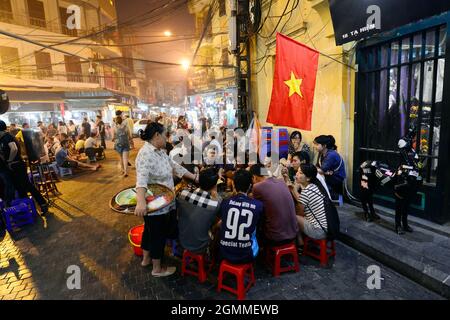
[(82, 231)]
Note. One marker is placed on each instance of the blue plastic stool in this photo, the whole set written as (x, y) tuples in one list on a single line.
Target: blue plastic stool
[(64, 171), (21, 213), (173, 244)]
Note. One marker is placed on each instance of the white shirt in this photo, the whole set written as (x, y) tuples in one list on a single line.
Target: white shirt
[(90, 143), (324, 184), (155, 166)]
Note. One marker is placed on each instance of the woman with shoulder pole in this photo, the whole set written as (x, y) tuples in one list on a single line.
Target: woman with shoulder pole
[(153, 165)]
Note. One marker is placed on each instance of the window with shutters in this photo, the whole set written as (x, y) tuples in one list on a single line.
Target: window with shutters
[(43, 65), (73, 69), (6, 14), (36, 13), (9, 60)]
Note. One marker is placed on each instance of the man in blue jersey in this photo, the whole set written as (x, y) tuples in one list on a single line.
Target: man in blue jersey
[(239, 216)]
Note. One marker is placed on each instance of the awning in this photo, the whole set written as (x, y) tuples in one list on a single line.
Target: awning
[(35, 96)]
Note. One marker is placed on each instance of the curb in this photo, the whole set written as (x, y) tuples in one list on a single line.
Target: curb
[(441, 288)]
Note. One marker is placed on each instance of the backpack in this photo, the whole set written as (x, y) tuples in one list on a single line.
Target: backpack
[(122, 136), (332, 216)]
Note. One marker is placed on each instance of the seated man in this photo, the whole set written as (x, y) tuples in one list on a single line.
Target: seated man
[(79, 146), (240, 215), (65, 161), (91, 148), (197, 212), (279, 224)]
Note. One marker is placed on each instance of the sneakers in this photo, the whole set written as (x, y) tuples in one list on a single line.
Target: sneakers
[(164, 273)]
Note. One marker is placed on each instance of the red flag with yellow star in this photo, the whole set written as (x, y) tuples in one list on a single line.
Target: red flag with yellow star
[(294, 82)]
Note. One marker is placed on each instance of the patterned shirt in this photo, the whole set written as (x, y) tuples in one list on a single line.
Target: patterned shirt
[(155, 166), (197, 212)]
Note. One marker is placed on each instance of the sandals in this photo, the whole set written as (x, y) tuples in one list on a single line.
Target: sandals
[(168, 272)]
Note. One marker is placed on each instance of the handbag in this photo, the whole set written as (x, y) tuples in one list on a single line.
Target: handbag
[(332, 216)]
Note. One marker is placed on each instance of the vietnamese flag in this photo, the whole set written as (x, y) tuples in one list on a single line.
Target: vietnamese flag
[(294, 82)]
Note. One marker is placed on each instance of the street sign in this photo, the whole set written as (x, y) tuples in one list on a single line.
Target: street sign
[(357, 19)]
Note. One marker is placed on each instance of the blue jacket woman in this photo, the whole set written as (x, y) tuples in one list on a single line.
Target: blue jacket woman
[(330, 163)]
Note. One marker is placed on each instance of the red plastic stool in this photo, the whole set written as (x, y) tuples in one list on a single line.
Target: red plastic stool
[(240, 271), (279, 252), (188, 258), (324, 245)]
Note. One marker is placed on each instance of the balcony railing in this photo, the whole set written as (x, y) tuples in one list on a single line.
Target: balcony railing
[(38, 22)]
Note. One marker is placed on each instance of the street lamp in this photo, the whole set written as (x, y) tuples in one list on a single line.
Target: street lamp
[(185, 64), (167, 33)]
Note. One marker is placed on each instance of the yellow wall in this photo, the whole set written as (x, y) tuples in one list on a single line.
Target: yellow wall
[(310, 23)]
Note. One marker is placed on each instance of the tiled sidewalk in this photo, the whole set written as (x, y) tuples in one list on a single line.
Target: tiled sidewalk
[(81, 230)]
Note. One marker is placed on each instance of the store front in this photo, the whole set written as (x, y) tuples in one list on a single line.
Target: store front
[(219, 106), (403, 79)]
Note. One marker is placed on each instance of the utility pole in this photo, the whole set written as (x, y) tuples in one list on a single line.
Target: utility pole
[(240, 46)]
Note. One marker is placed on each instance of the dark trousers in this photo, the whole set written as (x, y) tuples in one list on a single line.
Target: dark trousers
[(23, 185), (155, 235), (334, 184), (103, 142), (367, 201), (403, 196)]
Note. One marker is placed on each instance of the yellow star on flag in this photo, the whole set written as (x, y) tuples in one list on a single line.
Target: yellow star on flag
[(294, 85)]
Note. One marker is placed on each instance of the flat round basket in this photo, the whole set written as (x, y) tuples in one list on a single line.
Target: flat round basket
[(158, 197)]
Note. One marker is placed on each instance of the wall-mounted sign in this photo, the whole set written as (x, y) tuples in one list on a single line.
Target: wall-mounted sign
[(357, 19)]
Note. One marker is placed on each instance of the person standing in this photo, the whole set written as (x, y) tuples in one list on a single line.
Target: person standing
[(10, 156), (121, 141), (86, 127), (51, 130), (153, 165), (62, 128), (72, 130), (130, 124), (101, 131)]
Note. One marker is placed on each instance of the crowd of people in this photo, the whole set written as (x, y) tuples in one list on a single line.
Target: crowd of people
[(226, 209)]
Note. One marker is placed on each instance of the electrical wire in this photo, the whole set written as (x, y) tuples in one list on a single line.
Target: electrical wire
[(113, 26)]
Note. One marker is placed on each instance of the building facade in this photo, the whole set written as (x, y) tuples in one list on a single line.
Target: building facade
[(367, 92), (83, 80), (212, 77)]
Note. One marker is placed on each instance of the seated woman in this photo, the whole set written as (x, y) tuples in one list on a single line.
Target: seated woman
[(330, 163), (64, 160), (79, 146), (296, 145), (312, 218)]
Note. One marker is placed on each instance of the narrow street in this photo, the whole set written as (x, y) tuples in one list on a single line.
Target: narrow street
[(82, 230)]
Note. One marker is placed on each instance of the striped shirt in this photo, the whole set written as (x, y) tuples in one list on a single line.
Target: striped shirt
[(312, 199)]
